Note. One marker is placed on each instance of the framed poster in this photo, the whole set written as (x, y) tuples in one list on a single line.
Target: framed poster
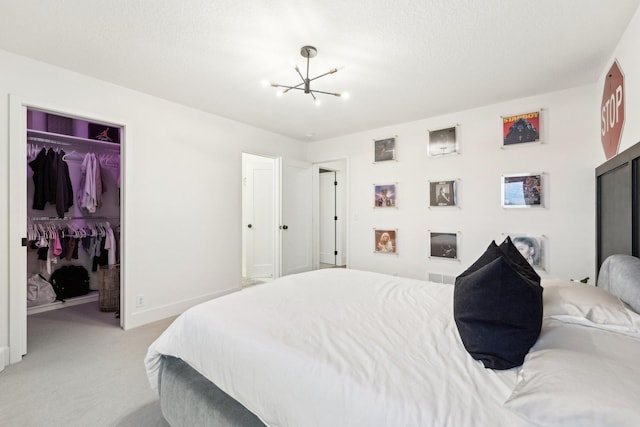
[(385, 241), (384, 195), (384, 149), (443, 245), (442, 142), (521, 128), (443, 193), (523, 190), (533, 249)]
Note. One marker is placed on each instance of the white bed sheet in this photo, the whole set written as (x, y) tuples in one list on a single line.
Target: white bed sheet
[(340, 347)]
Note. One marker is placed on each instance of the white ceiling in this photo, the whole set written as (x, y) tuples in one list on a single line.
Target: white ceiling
[(402, 60)]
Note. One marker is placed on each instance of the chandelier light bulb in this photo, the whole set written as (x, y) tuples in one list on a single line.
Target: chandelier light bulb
[(265, 83), (345, 95)]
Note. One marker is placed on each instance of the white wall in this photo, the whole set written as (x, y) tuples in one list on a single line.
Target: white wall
[(183, 186), (628, 57), (567, 157)]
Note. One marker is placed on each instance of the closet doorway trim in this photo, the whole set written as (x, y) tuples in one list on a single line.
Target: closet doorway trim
[(17, 256)]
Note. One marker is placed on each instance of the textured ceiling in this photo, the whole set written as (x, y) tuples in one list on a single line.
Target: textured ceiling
[(400, 60)]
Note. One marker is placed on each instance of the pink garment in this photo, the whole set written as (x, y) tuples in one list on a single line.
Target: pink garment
[(57, 246)]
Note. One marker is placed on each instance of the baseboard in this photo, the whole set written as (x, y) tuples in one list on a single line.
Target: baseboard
[(145, 316)]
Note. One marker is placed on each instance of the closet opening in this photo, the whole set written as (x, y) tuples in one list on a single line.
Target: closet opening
[(73, 213)]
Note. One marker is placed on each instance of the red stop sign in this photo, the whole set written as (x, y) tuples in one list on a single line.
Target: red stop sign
[(612, 111)]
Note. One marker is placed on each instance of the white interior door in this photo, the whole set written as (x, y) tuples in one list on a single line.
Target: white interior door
[(258, 216), (296, 217), (328, 215), (17, 230)]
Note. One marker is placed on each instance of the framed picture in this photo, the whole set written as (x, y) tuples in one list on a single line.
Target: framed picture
[(384, 149), (522, 190), (385, 241), (521, 128), (443, 245), (533, 249), (384, 196), (443, 193), (443, 142)]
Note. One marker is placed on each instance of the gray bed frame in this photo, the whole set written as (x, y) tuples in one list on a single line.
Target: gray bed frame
[(189, 399)]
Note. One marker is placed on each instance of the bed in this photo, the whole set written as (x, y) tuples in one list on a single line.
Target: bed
[(341, 347), (354, 348)]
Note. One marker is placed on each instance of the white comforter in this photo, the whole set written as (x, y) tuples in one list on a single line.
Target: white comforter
[(342, 348)]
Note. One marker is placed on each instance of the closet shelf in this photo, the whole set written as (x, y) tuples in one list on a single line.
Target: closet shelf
[(83, 299), (73, 141)]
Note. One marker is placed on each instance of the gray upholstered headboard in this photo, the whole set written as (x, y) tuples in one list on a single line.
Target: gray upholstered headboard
[(618, 205), (620, 275)]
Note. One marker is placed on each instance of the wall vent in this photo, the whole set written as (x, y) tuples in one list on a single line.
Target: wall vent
[(441, 278)]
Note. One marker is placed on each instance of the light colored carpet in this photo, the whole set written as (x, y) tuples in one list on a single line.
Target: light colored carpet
[(250, 281), (81, 370)]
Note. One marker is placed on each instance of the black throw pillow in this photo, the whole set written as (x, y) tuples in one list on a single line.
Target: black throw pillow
[(521, 263), (497, 310)]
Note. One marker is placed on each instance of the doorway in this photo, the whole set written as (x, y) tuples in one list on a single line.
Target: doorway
[(330, 239), (56, 133)]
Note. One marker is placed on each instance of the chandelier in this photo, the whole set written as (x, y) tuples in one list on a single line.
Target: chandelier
[(308, 52)]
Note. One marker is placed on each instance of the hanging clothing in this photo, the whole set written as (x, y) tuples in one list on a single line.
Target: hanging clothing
[(38, 165), (51, 173), (90, 196), (57, 245), (64, 189), (110, 245), (100, 188), (101, 256), (52, 181)]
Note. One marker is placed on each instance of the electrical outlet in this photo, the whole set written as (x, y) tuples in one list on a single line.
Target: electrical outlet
[(139, 301)]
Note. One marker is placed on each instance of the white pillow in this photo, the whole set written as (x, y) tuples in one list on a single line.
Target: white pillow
[(577, 376), (588, 305)]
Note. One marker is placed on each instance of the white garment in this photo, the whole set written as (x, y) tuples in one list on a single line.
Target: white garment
[(87, 197), (110, 245)]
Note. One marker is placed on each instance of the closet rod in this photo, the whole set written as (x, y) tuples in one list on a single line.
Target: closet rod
[(67, 218), (103, 146)]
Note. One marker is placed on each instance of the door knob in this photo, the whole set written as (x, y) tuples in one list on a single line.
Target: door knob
[(284, 227), (249, 226)]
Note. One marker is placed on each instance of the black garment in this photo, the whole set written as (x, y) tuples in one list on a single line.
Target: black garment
[(103, 258), (64, 190), (63, 244), (52, 181), (42, 253), (51, 176), (38, 165)]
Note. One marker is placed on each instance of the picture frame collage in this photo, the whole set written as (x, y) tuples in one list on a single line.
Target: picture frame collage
[(518, 190)]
